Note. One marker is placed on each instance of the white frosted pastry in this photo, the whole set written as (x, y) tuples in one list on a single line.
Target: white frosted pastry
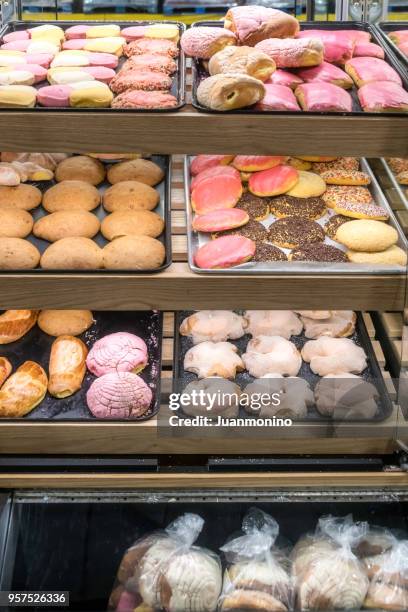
[(346, 396), (340, 324), (221, 398), (272, 323), (334, 356), (213, 359), (315, 314), (295, 396), (271, 354), (213, 325), (43, 46)]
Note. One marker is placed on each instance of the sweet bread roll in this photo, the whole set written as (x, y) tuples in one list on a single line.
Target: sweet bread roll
[(65, 322), (203, 42), (14, 324), (67, 366), (90, 95), (394, 255), (293, 53), (72, 254), (65, 224), (230, 91), (323, 97), (244, 60), (134, 253), (15, 223), (365, 70), (71, 195), (251, 24), (241, 599), (80, 168), (5, 369), (19, 96), (23, 390), (130, 195), (141, 170), (132, 223), (18, 254), (24, 197), (383, 97), (213, 359)]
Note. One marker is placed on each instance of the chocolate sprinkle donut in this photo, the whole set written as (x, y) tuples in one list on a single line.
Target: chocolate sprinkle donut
[(257, 208), (318, 252), (253, 230), (292, 232), (268, 252), (332, 225), (290, 206)]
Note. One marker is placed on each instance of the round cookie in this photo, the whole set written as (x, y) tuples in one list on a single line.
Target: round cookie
[(71, 195), (65, 224), (291, 232), (332, 225), (80, 168), (289, 206), (130, 195), (134, 253), (366, 235), (142, 170), (72, 254), (402, 178), (267, 252), (310, 185), (299, 164), (361, 211), (64, 322), (343, 163), (256, 207), (339, 176), (18, 254), (253, 230), (318, 252), (335, 194), (132, 223), (25, 197), (15, 223), (393, 255)]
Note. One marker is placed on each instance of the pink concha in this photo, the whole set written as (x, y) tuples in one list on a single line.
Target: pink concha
[(18, 35), (100, 73), (54, 95), (78, 31), (368, 49), (119, 352), (225, 252), (134, 33), (278, 98), (119, 395), (103, 59), (282, 77), (16, 45)]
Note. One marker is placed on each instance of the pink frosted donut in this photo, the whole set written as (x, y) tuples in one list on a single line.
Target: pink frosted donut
[(278, 98), (42, 59), (77, 31), (18, 35), (40, 73), (16, 45), (119, 395), (54, 95), (100, 73), (368, 49), (134, 33), (120, 352), (203, 42), (103, 59), (225, 252), (282, 77)]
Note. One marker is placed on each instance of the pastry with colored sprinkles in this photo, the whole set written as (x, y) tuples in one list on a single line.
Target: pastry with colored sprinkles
[(257, 208), (339, 176), (253, 230), (341, 163), (318, 252), (345, 193), (291, 232), (361, 211), (291, 206), (332, 225), (267, 252)]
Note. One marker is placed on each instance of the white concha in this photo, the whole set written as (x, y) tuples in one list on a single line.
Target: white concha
[(267, 576), (213, 325), (151, 569), (283, 323)]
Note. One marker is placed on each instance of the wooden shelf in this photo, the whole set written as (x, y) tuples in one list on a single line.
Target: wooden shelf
[(189, 131)]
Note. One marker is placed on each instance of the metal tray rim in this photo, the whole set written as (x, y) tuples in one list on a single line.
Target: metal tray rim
[(395, 183), (384, 33)]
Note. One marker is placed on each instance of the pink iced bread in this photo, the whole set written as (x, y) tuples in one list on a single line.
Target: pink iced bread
[(353, 35), (134, 33), (18, 35), (119, 352), (103, 59), (323, 97), (403, 47), (42, 59), (326, 73), (365, 70), (74, 43), (54, 95), (282, 77), (368, 49), (278, 98), (77, 31), (16, 45), (225, 252), (383, 96), (119, 395), (100, 73), (337, 50), (40, 73)]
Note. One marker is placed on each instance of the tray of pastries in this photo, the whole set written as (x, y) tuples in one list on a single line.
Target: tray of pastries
[(80, 365), (320, 363), (397, 171), (134, 65), (260, 59), (91, 213), (395, 34), (277, 214)]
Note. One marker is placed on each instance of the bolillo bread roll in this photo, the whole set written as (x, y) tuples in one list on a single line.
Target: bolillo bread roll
[(67, 366), (5, 369), (14, 324), (23, 391)]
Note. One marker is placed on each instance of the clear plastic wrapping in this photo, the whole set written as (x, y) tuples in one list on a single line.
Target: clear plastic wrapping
[(164, 571), (258, 572), (388, 588)]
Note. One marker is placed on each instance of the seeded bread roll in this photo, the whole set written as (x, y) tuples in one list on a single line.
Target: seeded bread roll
[(230, 91)]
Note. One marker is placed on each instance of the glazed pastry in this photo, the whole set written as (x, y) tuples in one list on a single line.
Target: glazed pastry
[(229, 91), (323, 97), (212, 172), (15, 223), (23, 390), (367, 235), (270, 355), (292, 232), (74, 253), (340, 324), (274, 181), (394, 255), (287, 79), (137, 98), (80, 168), (134, 253), (334, 356), (335, 194), (66, 223), (5, 369), (130, 195), (213, 359), (278, 98), (326, 73), (203, 42), (365, 70), (213, 325), (346, 396), (361, 211), (67, 366), (309, 185), (289, 206), (18, 254), (220, 220), (119, 395), (148, 80), (225, 252), (345, 177), (318, 252), (151, 46), (23, 96), (251, 24), (293, 53), (368, 49), (14, 324), (142, 170), (205, 162), (65, 322), (217, 193), (382, 96), (245, 60), (226, 406), (119, 352), (272, 323), (71, 195)]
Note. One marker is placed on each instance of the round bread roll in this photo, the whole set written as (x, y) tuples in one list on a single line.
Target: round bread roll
[(134, 253), (142, 170), (132, 223), (71, 195), (72, 254), (67, 223), (130, 195), (80, 168), (65, 322), (15, 223), (25, 197), (18, 254)]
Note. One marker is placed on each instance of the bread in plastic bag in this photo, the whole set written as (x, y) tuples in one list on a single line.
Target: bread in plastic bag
[(388, 588), (164, 571), (258, 575), (327, 574)]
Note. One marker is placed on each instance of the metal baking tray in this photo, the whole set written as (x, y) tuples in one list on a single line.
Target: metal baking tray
[(163, 209), (384, 28), (196, 240), (396, 185), (371, 374), (178, 88), (36, 346), (199, 72)]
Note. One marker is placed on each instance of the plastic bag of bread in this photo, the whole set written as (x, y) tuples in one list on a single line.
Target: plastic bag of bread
[(258, 574), (327, 573), (388, 588), (164, 571)]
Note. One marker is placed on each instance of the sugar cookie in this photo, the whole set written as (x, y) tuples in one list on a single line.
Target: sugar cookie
[(366, 235), (310, 185), (393, 255)]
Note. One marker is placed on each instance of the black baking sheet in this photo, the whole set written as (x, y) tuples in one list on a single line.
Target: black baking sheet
[(199, 72), (372, 374), (392, 26), (178, 88), (163, 209), (36, 346)]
